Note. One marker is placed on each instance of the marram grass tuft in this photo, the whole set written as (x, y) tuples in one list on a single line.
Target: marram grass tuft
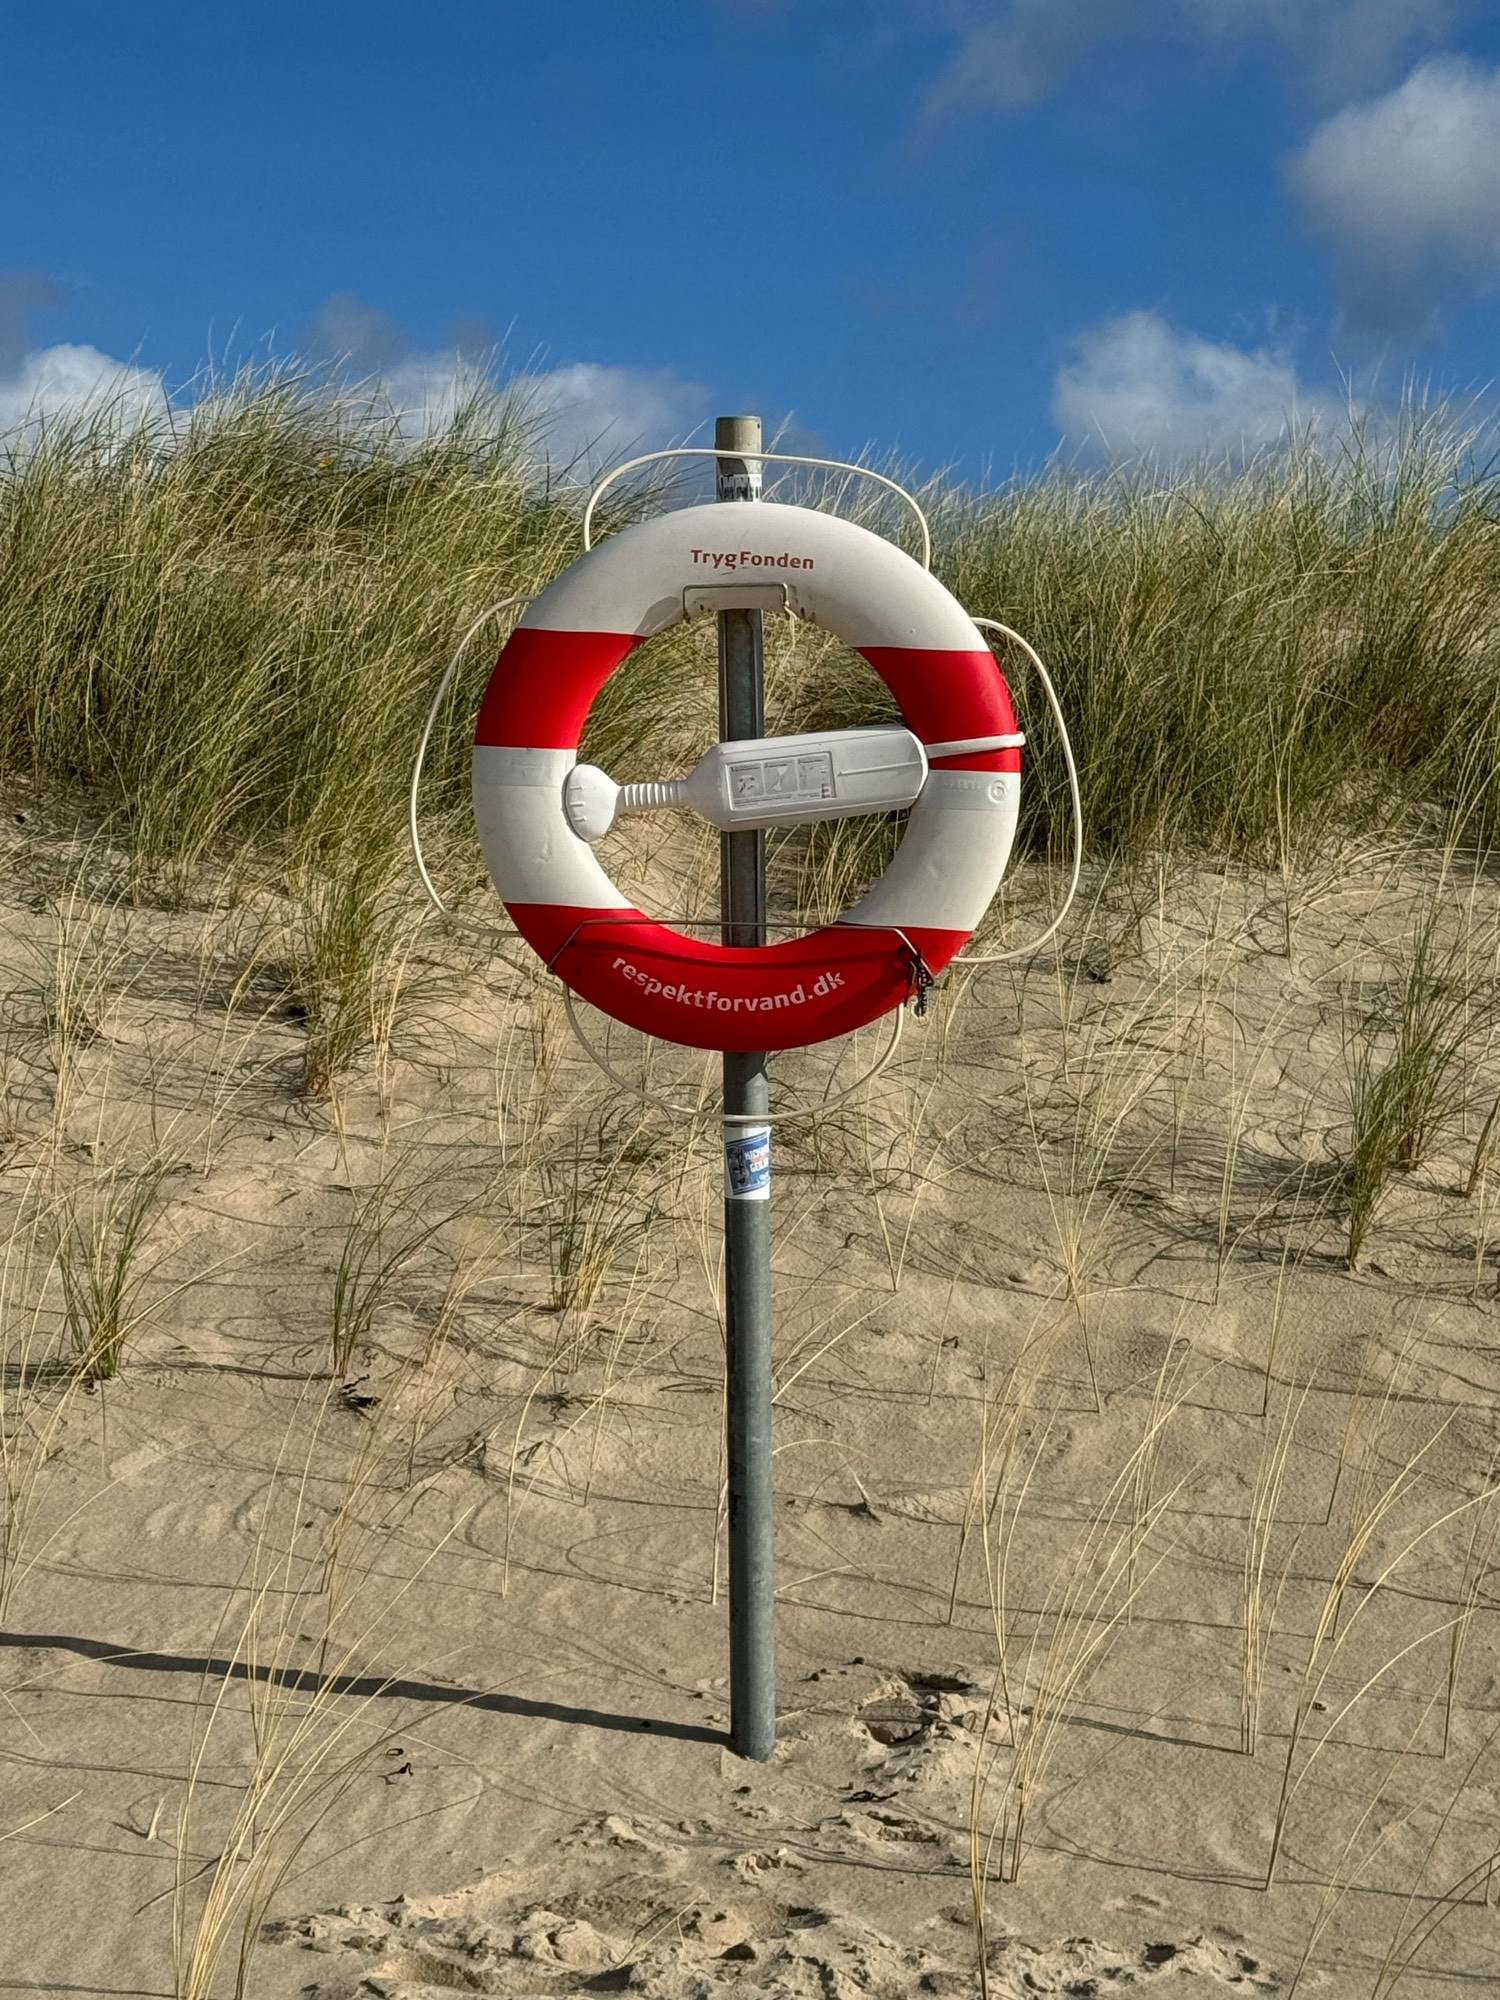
[(229, 620)]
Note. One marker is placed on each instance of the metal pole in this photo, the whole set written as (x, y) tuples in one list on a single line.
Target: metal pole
[(747, 1185)]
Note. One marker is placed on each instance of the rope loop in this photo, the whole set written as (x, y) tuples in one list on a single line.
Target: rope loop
[(761, 457)]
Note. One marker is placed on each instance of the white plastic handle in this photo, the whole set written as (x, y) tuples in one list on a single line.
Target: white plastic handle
[(765, 781)]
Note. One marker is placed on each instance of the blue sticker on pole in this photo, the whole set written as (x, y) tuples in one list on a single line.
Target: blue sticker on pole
[(747, 1164)]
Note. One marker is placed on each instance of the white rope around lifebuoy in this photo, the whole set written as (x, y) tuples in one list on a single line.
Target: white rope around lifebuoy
[(602, 1063), (761, 458), (1074, 794), (442, 909)]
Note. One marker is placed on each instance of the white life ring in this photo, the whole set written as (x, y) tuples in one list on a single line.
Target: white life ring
[(925, 648)]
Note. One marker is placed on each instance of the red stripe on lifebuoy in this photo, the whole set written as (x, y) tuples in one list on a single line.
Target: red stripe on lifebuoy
[(712, 996), (543, 684), (933, 688)]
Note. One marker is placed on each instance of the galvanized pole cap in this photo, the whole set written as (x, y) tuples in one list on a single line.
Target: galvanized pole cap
[(739, 474)]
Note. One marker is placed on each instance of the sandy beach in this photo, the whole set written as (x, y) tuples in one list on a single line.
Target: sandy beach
[(366, 1632)]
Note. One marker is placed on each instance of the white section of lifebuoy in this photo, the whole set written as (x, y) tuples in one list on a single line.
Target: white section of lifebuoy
[(951, 886), (532, 853), (838, 575)]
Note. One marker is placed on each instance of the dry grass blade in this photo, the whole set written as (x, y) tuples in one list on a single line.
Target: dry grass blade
[(1112, 1076), (1085, 1609), (1330, 1636), (304, 1735), (1398, 1104), (600, 1201), (36, 1385), (1477, 1557), (83, 966), (103, 1235), (386, 1231), (1423, 1916), (351, 971), (1343, 1877), (1257, 1613)]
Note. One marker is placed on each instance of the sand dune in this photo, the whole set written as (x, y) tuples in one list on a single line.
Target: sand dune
[(408, 1675)]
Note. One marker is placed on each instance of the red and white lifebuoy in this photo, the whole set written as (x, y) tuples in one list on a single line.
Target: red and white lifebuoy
[(925, 648)]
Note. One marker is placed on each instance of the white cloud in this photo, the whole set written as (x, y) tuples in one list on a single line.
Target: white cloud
[(1015, 55), (588, 414), (354, 335), (1012, 53), (1137, 387), (425, 391), (576, 418), (62, 383), (1349, 44), (1407, 188)]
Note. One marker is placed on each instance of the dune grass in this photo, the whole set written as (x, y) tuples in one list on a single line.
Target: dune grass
[(230, 627), (1258, 660), (1411, 1062), (228, 623)]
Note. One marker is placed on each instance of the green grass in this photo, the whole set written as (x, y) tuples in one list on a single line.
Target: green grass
[(1411, 1064), (101, 1259), (229, 627), (1260, 657), (233, 630)]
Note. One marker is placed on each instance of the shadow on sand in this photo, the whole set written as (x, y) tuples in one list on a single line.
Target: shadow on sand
[(304, 1680)]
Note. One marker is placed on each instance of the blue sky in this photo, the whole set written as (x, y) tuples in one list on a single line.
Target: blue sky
[(967, 230)]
